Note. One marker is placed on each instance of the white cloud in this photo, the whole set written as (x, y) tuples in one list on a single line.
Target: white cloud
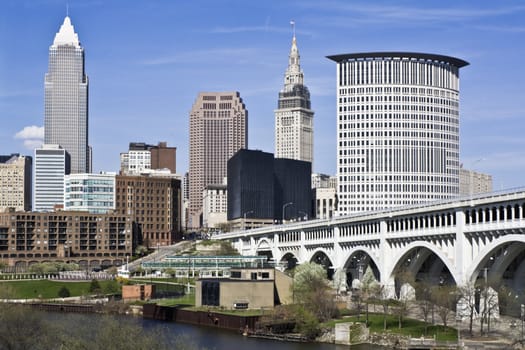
[(32, 144), (33, 136), (31, 132)]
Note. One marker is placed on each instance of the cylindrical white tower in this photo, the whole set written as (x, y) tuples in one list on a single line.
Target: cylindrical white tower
[(397, 129)]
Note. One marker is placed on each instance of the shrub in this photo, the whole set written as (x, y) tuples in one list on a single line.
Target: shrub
[(64, 292)]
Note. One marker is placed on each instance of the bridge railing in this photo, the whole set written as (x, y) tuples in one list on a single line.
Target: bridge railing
[(459, 201)]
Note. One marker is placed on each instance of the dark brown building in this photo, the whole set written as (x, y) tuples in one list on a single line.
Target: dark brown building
[(154, 205), (141, 158), (91, 240), (164, 157)]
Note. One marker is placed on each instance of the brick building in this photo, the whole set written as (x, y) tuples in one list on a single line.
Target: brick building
[(91, 240), (153, 202)]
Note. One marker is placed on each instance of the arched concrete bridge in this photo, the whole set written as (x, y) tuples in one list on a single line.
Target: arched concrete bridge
[(453, 241)]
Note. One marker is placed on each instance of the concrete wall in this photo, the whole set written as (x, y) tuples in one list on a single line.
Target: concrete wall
[(257, 294), (284, 285)]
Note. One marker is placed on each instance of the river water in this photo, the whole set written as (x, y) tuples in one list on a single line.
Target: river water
[(211, 338)]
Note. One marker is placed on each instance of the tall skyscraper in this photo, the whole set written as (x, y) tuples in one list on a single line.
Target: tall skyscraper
[(66, 98), (294, 135), (218, 129), (52, 162), (397, 129)]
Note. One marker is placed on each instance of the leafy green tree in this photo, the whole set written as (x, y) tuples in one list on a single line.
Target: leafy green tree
[(94, 286), (312, 289), (112, 287), (64, 292), (306, 323), (141, 250)]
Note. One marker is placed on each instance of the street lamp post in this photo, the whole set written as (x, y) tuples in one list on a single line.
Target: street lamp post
[(304, 214), (244, 221), (284, 207)]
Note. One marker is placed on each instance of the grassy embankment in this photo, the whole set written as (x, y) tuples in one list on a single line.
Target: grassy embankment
[(46, 289), (410, 327)]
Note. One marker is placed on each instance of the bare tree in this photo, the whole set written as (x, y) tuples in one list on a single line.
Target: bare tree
[(467, 302), (488, 306), (406, 295), (425, 301), (368, 290), (445, 298)]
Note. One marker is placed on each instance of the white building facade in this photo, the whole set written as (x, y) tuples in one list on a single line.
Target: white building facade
[(52, 162), (397, 129), (94, 193), (294, 134), (214, 206), (324, 193)]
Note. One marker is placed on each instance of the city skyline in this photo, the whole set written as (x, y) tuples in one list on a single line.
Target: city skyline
[(149, 74)]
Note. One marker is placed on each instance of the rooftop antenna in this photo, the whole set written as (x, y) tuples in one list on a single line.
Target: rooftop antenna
[(67, 8), (292, 23)]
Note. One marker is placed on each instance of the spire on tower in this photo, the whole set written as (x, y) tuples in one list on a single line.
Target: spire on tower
[(293, 75), (66, 35)]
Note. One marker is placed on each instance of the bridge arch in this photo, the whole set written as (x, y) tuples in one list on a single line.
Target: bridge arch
[(353, 260), (497, 256), (423, 252), (322, 257), (290, 259), (264, 247)]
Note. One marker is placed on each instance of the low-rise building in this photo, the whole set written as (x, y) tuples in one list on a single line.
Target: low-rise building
[(138, 292), (91, 240), (245, 289)]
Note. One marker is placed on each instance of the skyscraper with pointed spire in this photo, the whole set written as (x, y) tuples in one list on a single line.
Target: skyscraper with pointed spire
[(294, 135), (66, 98)]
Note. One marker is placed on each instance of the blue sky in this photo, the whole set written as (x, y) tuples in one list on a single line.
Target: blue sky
[(148, 59)]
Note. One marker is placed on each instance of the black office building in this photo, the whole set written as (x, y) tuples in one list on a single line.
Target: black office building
[(250, 185), (263, 188), (293, 184)]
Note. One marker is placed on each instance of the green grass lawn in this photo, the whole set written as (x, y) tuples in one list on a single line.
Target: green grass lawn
[(186, 300), (410, 327), (45, 288)]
